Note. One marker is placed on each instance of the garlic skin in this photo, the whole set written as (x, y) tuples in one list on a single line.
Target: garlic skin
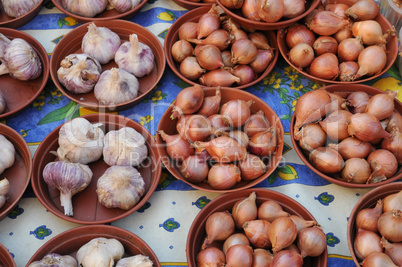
[(69, 178), (79, 73), (55, 260), (2, 103), (80, 141), (4, 42), (7, 152), (123, 5), (135, 261), (100, 252), (135, 57), (100, 43), (116, 86), (120, 187), (18, 8), (85, 8), (4, 188)]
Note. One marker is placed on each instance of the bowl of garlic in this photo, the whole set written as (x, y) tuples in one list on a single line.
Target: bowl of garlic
[(94, 246), (20, 86), (96, 169), (15, 168), (107, 65), (15, 14)]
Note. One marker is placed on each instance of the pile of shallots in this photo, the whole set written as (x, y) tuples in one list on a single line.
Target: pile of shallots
[(246, 237), (219, 143), (224, 54), (357, 139), (7, 159), (340, 42), (378, 240), (91, 8)]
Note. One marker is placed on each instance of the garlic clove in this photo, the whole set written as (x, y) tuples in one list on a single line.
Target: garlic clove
[(7, 152), (137, 260), (85, 8), (17, 9), (56, 260), (100, 252)]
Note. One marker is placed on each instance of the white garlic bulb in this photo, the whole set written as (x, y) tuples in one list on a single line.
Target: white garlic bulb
[(123, 5), (18, 8), (120, 187), (135, 57), (22, 61), (100, 252), (116, 86), (55, 260), (79, 73), (80, 141), (69, 178), (4, 188), (135, 261), (7, 152), (100, 43), (85, 8), (2, 103)]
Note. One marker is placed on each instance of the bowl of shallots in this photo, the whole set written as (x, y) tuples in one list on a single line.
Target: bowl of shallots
[(228, 141), (355, 44), (93, 246), (6, 259), (14, 15), (375, 227), (349, 135), (206, 47), (256, 227)]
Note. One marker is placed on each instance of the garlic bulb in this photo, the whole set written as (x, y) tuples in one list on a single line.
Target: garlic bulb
[(85, 8), (116, 86), (22, 61), (18, 8), (55, 260), (79, 73), (100, 252), (4, 187), (123, 5), (125, 147), (80, 141), (2, 103), (7, 152), (135, 57), (120, 187), (135, 261), (69, 178), (100, 43)]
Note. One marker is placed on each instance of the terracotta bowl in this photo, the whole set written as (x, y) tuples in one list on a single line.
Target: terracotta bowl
[(70, 241), (19, 94), (191, 5), (194, 15), (346, 90), (169, 127), (392, 48), (369, 200), (105, 15), (9, 22), (19, 174), (87, 209), (197, 233), (259, 25), (71, 43), (5, 257)]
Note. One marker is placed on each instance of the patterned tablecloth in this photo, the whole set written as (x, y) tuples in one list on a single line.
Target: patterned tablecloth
[(164, 222)]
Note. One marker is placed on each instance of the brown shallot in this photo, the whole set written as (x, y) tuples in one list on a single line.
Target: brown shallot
[(335, 125), (271, 10), (390, 225), (327, 23), (262, 60), (356, 171), (352, 147), (381, 105), (219, 226), (256, 123), (363, 10), (264, 144), (237, 111), (367, 218), (393, 250), (191, 69), (350, 49), (394, 144), (325, 66), (211, 104), (378, 259), (302, 223), (383, 161), (311, 241), (177, 148), (218, 77), (299, 33), (357, 102), (211, 256), (245, 210), (311, 136), (194, 169), (257, 232), (325, 44), (188, 101), (270, 210), (366, 242), (181, 49), (282, 233), (393, 202), (223, 176), (287, 258), (262, 257), (348, 70), (366, 127), (301, 55), (252, 167), (239, 256), (223, 149), (237, 238), (326, 160)]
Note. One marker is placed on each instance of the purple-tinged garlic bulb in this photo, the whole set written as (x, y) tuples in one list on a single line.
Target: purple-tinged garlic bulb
[(7, 153), (18, 8), (3, 104), (4, 188), (137, 260), (85, 8), (55, 260), (123, 5)]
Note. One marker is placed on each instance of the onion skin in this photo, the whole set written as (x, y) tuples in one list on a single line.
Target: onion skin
[(257, 233), (219, 122), (287, 258), (211, 104), (335, 125), (325, 44), (219, 226), (207, 23), (264, 144), (337, 102), (260, 40), (327, 23), (188, 101), (188, 30), (219, 38), (366, 127), (311, 241), (390, 225), (352, 147), (377, 259), (251, 168), (366, 242), (367, 218), (363, 10), (348, 70), (262, 60), (383, 161), (394, 121), (270, 10), (357, 102), (256, 123), (237, 111), (190, 68), (177, 148), (327, 160), (209, 57), (293, 8), (244, 72), (299, 33), (237, 238), (211, 257), (226, 59), (194, 169), (270, 210), (311, 136), (245, 210), (381, 105), (223, 149), (282, 233), (394, 144), (218, 77), (325, 66), (239, 256), (370, 32), (394, 251), (223, 176), (181, 49), (301, 55), (197, 128), (244, 51), (393, 202), (249, 10), (343, 34), (262, 258), (350, 49), (338, 9), (356, 171)]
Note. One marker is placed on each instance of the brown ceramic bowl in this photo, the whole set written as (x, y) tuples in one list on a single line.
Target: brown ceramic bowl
[(169, 127), (369, 200), (70, 241), (260, 25), (19, 94), (105, 15), (197, 234), (191, 5), (9, 22), (87, 209), (5, 257), (345, 90), (194, 15), (19, 174), (71, 43), (392, 52)]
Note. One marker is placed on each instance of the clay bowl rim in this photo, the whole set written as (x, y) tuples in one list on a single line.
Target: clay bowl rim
[(392, 46), (342, 88), (94, 231), (258, 25), (145, 35), (191, 5), (21, 21), (367, 201), (167, 162), (193, 15), (221, 202), (38, 162), (41, 51), (7, 256)]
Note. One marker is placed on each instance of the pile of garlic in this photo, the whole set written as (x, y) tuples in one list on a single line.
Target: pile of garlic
[(91, 8), (18, 8), (7, 158), (82, 73)]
